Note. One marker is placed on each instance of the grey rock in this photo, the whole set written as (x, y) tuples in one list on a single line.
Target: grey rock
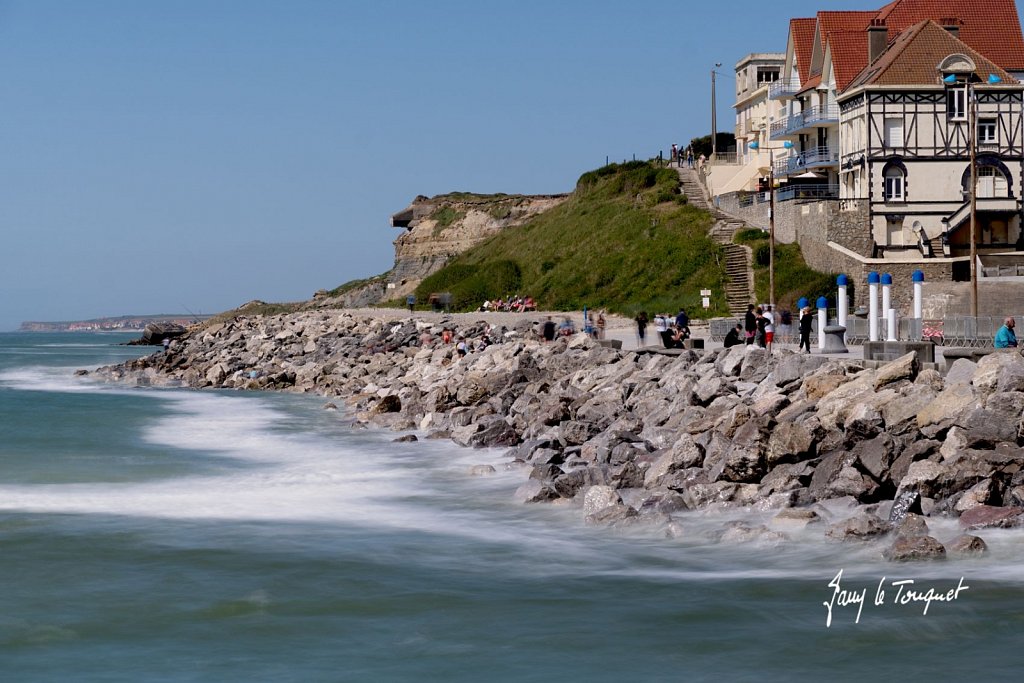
[(967, 545), (914, 548), (858, 528)]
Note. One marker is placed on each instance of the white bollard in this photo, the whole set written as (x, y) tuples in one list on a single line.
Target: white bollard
[(918, 278), (842, 303), (886, 294), (873, 306), (822, 321), (890, 323)]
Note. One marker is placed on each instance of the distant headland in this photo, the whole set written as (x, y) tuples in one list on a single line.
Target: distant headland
[(128, 323)]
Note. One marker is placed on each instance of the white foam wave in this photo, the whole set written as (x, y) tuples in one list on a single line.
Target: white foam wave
[(56, 379)]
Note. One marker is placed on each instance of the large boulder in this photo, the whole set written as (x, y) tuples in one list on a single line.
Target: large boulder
[(985, 516), (903, 368), (914, 548)]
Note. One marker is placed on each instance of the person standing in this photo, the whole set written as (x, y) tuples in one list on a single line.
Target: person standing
[(806, 321), (769, 327), (750, 324), (675, 154), (689, 157), (549, 330), (410, 301), (601, 323), (1005, 337), (641, 327)]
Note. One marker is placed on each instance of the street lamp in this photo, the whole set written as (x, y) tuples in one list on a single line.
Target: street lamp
[(714, 122), (771, 219)]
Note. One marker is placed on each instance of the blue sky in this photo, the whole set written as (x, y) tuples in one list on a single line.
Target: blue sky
[(158, 156)]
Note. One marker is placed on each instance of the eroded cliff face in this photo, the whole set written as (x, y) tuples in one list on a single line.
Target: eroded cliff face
[(435, 230), (440, 228)]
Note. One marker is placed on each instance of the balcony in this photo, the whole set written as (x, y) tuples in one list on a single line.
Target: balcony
[(807, 192), (778, 129), (816, 157), (783, 89)]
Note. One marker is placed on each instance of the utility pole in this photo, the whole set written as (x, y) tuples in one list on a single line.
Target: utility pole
[(714, 115), (771, 228), (972, 123)]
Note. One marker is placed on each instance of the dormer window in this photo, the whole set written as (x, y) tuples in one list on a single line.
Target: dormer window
[(955, 71)]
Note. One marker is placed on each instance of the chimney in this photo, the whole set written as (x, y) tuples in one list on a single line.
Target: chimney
[(878, 39), (951, 24)]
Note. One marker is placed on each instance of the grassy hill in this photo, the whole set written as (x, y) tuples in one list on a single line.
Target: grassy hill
[(626, 241)]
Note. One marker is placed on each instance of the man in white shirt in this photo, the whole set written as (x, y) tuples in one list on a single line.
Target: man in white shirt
[(769, 328)]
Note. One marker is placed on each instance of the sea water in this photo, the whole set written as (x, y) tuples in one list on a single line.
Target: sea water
[(175, 535)]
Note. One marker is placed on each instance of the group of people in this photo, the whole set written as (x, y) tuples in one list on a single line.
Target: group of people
[(673, 331), (463, 346), (513, 304), (549, 329), (680, 156), (759, 327)]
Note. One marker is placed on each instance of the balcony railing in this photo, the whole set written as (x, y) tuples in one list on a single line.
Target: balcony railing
[(807, 192), (780, 89), (817, 116), (777, 129), (816, 157)]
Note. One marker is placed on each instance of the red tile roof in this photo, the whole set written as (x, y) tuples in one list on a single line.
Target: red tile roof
[(849, 50), (912, 59), (992, 27), (803, 43), (834, 22)]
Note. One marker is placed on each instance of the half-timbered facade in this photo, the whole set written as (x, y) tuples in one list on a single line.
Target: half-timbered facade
[(906, 134)]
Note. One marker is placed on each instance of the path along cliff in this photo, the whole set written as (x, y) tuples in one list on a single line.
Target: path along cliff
[(641, 439)]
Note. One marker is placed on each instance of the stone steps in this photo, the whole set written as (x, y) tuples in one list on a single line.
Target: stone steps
[(739, 287)]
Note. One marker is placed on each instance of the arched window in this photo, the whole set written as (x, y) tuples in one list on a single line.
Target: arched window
[(895, 184), (993, 178)]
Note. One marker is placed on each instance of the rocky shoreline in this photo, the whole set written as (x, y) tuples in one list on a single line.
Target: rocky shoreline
[(636, 438)]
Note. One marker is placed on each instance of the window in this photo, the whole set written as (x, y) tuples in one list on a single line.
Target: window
[(893, 132), (767, 75), (956, 103), (895, 184), (986, 131)]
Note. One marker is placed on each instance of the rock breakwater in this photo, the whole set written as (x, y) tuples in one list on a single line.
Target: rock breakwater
[(635, 438)]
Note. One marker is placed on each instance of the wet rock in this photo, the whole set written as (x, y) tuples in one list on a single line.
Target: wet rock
[(915, 548), (533, 491), (967, 545), (387, 404), (795, 519), (596, 498), (481, 470), (857, 528), (610, 515), (911, 526), (407, 438), (987, 516)]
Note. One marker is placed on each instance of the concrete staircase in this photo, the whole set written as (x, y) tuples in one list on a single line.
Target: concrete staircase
[(739, 290)]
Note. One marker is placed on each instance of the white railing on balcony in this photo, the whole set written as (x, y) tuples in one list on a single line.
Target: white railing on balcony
[(816, 157), (828, 113), (780, 89), (807, 192)]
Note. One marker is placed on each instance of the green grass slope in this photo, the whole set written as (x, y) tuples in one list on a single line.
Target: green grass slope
[(793, 279), (625, 240)]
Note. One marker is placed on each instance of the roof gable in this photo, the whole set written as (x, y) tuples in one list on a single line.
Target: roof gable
[(992, 27), (913, 58), (801, 32)]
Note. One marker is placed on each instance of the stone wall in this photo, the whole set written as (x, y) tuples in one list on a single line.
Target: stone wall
[(813, 225)]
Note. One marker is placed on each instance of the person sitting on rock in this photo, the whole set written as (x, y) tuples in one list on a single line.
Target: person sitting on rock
[(567, 328), (460, 347), (733, 337), (1005, 336)]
